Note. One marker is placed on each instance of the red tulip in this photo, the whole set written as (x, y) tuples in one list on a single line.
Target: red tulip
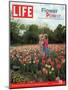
[(52, 63), (58, 66), (43, 60), (36, 61), (56, 60)]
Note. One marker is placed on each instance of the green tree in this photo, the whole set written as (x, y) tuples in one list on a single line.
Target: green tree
[(33, 28), (22, 26), (60, 34), (14, 32), (30, 38)]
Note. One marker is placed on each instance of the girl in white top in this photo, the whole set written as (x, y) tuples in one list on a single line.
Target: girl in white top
[(41, 38)]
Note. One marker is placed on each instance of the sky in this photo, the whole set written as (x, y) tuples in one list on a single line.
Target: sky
[(39, 16)]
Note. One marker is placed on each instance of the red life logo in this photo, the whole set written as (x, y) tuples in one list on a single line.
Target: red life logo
[(22, 11)]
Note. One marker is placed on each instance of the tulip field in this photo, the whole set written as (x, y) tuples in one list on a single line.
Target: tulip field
[(27, 64)]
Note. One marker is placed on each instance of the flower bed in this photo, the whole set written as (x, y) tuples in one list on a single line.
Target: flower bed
[(27, 65)]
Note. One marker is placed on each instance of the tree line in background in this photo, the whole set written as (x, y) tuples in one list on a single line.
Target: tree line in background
[(32, 32)]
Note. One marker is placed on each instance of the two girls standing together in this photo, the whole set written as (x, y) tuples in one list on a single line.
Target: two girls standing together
[(43, 42)]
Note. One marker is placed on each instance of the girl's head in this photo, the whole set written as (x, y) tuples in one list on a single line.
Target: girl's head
[(46, 36), (41, 37)]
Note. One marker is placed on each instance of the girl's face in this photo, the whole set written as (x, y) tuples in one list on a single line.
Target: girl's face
[(45, 36), (42, 38)]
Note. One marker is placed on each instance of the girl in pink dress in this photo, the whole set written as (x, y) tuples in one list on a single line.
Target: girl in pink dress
[(45, 45)]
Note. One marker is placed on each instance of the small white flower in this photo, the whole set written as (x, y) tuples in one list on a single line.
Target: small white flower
[(46, 65), (33, 61), (52, 69), (58, 78), (24, 64), (49, 66), (50, 72), (29, 61)]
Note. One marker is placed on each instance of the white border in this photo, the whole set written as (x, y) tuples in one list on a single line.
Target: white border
[(4, 44)]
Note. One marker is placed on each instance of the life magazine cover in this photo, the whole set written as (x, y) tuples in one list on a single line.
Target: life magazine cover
[(37, 52)]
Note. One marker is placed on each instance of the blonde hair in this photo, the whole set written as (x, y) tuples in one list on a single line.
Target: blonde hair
[(41, 36), (46, 36)]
